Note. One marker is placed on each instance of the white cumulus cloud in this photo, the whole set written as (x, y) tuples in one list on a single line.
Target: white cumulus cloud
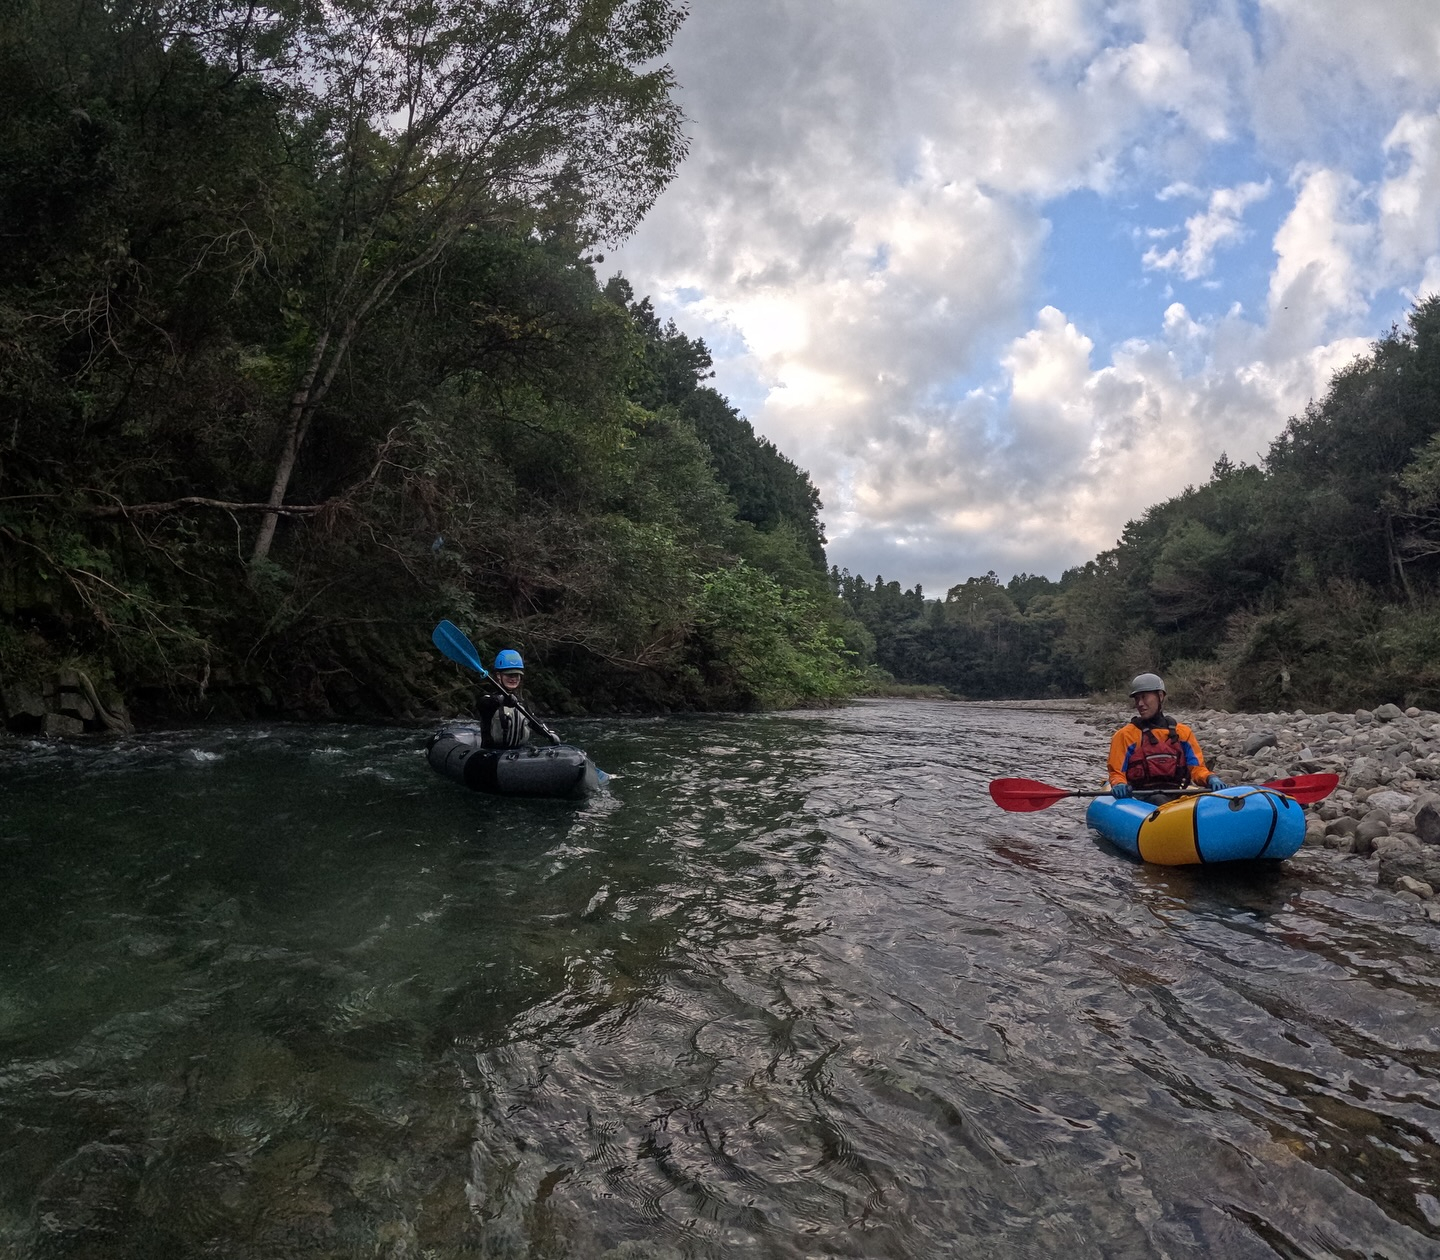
[(1221, 222), (863, 233)]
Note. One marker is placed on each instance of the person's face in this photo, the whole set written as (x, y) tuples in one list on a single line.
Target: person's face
[(510, 679), (1147, 703)]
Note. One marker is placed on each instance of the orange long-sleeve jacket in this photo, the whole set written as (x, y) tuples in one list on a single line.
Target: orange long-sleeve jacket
[(1125, 741)]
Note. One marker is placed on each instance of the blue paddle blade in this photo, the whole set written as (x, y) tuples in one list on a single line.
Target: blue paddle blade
[(451, 640)]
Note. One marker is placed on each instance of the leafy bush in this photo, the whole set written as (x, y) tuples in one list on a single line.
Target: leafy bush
[(768, 647)]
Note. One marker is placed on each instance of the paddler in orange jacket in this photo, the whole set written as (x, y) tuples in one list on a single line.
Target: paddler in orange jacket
[(1153, 752)]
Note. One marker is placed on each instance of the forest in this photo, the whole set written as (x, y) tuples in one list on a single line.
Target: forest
[(1309, 581), (304, 346), (306, 342)]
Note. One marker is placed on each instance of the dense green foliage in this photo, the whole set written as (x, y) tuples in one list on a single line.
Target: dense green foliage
[(284, 379), (982, 641), (1313, 580)]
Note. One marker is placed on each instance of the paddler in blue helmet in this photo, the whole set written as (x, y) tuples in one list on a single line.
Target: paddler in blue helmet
[(1153, 752), (502, 724)]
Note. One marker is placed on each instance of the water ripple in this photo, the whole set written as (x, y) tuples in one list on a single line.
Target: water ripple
[(792, 988)]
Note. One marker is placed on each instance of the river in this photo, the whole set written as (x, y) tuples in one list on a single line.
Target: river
[(793, 987)]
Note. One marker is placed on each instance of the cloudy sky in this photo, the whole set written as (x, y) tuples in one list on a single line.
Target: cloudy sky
[(1001, 273)]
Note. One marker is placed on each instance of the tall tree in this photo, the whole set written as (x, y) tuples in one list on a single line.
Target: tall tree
[(435, 116)]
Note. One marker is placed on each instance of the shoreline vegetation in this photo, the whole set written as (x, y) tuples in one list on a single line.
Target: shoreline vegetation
[(1309, 580), (288, 374), (304, 345)]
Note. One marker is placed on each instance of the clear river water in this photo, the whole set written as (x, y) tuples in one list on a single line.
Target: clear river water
[(792, 987)]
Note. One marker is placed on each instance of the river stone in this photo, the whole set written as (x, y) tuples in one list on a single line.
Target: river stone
[(1364, 716), (1363, 773), (1261, 739), (1417, 886), (1363, 843), (1399, 844), (1394, 802), (1427, 823), (1342, 827), (1315, 832), (1415, 862), (1374, 825), (1412, 712), (1388, 713)]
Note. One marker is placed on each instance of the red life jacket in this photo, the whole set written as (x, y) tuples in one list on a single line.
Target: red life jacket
[(1158, 760)]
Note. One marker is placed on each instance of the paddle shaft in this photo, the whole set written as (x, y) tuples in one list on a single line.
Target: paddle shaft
[(1029, 795)]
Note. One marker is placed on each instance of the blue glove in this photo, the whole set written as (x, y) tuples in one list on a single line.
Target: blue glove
[(1215, 783), (1120, 791)]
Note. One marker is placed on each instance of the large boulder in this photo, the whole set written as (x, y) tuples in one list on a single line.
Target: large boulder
[(61, 726), (1342, 827), (19, 701), (1388, 713), (1259, 740), (76, 704)]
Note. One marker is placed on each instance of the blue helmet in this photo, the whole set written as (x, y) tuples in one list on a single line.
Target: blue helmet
[(508, 659)]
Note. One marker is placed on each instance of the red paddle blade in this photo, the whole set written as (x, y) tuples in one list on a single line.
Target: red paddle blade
[(1024, 796), (1306, 789)]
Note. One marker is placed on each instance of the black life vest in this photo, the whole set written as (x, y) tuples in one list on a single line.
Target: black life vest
[(1158, 760), (502, 725)]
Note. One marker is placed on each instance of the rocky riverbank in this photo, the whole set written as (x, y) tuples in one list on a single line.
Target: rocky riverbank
[(62, 706), (1385, 815)]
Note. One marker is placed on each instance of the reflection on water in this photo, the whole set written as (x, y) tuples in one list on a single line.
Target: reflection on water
[(793, 988)]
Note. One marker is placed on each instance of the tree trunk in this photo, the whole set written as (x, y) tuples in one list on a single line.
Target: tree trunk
[(309, 393), (1396, 559), (296, 421)]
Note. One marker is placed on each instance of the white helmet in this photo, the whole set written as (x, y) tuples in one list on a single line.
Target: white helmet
[(1146, 682)]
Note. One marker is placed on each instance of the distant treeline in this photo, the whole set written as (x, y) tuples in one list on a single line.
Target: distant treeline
[(1312, 580), (302, 348)]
